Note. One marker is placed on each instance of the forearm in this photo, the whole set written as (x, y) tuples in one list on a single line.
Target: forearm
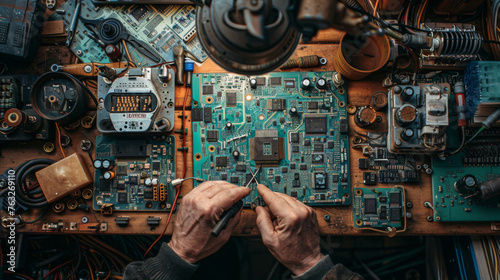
[(166, 265)]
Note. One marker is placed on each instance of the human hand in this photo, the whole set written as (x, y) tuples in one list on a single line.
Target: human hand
[(289, 230), (198, 213)]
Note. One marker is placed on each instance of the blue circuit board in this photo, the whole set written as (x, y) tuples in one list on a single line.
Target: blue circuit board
[(379, 207), (296, 134)]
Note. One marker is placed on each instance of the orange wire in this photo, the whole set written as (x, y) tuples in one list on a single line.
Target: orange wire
[(422, 11), (375, 9), (59, 139), (56, 268)]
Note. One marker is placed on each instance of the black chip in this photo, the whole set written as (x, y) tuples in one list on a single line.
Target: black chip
[(369, 178), (241, 167), (121, 170), (197, 114), (289, 83), (395, 214), (275, 122), (330, 145), (319, 147), (122, 198), (104, 186), (148, 194), (296, 176), (343, 180), (219, 94), (221, 161), (292, 165), (277, 179), (315, 124), (293, 194), (332, 132), (395, 198), (261, 81), (296, 183), (275, 81), (207, 113), (343, 126), (363, 163), (235, 180), (139, 12), (248, 179), (120, 185), (212, 135), (295, 149), (320, 180), (383, 208), (335, 178), (132, 179), (294, 137), (156, 165), (231, 99), (370, 206), (131, 148), (249, 118), (223, 176), (382, 199), (208, 89), (284, 170), (380, 153), (303, 167), (276, 104), (312, 105), (307, 142), (383, 216)]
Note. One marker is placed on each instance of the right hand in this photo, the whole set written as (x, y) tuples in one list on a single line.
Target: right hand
[(289, 230)]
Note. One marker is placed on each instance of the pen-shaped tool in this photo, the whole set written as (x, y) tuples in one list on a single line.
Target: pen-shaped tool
[(231, 212)]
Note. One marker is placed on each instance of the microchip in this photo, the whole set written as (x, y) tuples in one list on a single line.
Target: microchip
[(275, 123), (275, 81), (208, 89), (156, 165), (296, 183), (293, 194), (122, 198), (207, 113), (315, 124), (139, 12), (307, 142), (319, 147), (120, 185), (289, 83), (284, 170), (249, 118), (148, 194), (343, 128), (395, 198), (294, 137), (335, 178), (313, 105), (382, 215), (223, 176), (282, 120), (197, 114), (221, 161), (131, 148), (383, 208), (249, 178), (363, 163), (261, 81), (380, 153), (382, 199), (133, 179), (320, 196), (121, 170), (241, 167), (276, 104), (212, 136), (292, 165), (303, 167), (219, 94), (296, 176), (320, 180), (277, 179), (231, 99), (330, 145), (235, 180), (295, 149), (395, 214), (317, 158), (370, 206), (266, 147), (104, 186), (369, 178)]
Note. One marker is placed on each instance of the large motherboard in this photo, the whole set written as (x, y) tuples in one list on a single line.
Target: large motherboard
[(291, 127), (134, 173)]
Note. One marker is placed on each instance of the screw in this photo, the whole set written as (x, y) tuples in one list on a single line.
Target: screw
[(409, 204), (429, 218), (85, 219), (326, 217), (428, 171), (408, 215), (398, 142)]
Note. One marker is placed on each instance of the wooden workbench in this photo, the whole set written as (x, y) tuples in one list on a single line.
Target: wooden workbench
[(340, 223)]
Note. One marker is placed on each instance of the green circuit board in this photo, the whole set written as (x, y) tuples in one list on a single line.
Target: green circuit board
[(142, 168), (296, 135), (379, 207)]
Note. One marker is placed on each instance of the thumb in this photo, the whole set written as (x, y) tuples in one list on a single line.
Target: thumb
[(264, 223)]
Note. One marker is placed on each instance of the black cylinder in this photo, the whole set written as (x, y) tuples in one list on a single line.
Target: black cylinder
[(466, 184), (489, 189)]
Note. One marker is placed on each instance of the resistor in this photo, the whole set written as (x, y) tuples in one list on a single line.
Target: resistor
[(304, 62)]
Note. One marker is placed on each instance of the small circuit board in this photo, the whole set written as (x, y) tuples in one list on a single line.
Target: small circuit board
[(379, 208), (292, 125), (134, 174)]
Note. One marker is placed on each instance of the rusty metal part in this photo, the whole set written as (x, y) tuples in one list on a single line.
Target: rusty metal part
[(87, 122), (351, 109), (58, 207), (76, 194), (48, 147), (379, 100), (87, 194), (72, 204), (304, 62)]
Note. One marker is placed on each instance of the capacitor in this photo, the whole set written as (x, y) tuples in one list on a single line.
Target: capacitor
[(253, 83), (109, 175), (321, 83), (229, 125), (106, 164), (406, 114), (97, 164), (465, 184), (489, 189), (293, 111), (148, 182), (407, 134), (154, 182), (407, 94), (305, 84), (379, 100), (112, 52), (236, 153), (365, 116), (397, 89)]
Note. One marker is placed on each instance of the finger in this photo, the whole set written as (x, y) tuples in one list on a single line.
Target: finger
[(264, 222), (276, 203), (226, 198), (292, 201), (209, 189)]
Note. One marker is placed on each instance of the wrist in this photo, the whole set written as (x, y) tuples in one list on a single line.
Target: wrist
[(183, 254), (306, 264)]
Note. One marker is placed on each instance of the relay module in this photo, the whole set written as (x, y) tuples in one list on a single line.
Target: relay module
[(293, 126)]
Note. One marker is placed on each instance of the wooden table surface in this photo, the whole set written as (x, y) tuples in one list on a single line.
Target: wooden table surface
[(340, 223)]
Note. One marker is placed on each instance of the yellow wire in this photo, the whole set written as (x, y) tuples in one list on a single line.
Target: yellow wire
[(375, 9), (421, 13), (128, 54), (90, 268), (495, 254), (59, 139)]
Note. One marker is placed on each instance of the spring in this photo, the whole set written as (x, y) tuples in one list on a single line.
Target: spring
[(457, 43)]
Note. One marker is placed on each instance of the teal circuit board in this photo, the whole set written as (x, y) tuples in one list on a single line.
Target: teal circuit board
[(479, 158), (142, 169), (379, 208), (296, 134)]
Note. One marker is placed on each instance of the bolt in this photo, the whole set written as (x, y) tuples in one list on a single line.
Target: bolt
[(326, 217)]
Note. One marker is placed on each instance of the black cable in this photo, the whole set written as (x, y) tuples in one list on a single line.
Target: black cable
[(77, 262), (381, 21), (410, 27), (39, 218), (462, 145), (22, 171), (491, 41)]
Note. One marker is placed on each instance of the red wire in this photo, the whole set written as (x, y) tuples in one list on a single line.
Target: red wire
[(56, 268), (184, 152)]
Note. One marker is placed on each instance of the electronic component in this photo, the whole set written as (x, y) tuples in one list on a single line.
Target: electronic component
[(137, 102), (365, 116), (372, 210), (139, 178), (302, 154)]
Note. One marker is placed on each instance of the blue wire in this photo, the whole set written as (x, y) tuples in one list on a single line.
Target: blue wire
[(476, 268)]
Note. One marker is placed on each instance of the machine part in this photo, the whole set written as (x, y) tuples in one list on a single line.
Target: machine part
[(87, 194), (72, 204), (58, 207), (379, 100), (65, 140), (355, 60), (466, 184), (304, 62), (113, 52), (122, 221), (85, 219), (63, 177), (302, 145), (76, 194), (179, 62), (327, 218), (417, 118), (48, 147), (85, 69), (351, 109), (138, 102), (365, 116), (489, 189), (164, 75), (74, 21), (58, 96), (53, 226), (86, 145), (87, 122)]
